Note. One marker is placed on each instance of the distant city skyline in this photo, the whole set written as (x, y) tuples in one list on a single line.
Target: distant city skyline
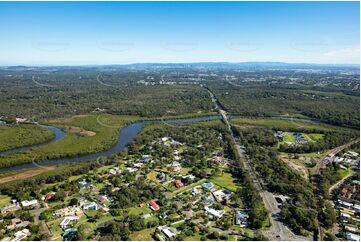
[(103, 33)]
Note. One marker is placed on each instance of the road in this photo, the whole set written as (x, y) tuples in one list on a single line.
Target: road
[(323, 161), (278, 230), (321, 164)]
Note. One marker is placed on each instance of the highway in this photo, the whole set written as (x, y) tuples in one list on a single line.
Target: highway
[(278, 230)]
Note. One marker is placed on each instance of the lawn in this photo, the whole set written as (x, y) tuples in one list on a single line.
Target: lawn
[(288, 138), (343, 172), (281, 124), (143, 235), (314, 137), (4, 200), (225, 181), (139, 210)]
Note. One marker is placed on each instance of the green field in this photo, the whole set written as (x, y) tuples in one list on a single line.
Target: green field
[(281, 124), (225, 181), (143, 235), (4, 200), (15, 136)]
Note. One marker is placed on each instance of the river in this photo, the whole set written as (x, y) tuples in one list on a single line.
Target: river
[(125, 137)]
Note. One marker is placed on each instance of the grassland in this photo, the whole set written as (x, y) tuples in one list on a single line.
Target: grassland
[(15, 136), (282, 124), (225, 181), (4, 200), (143, 235)]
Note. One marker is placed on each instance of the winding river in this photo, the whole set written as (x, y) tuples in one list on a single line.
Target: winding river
[(125, 137), (59, 134)]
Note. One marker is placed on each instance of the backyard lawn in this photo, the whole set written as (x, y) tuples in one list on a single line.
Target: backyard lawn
[(4, 200), (143, 235), (226, 181)]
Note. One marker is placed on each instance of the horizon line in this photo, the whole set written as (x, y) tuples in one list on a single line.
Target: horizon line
[(175, 63)]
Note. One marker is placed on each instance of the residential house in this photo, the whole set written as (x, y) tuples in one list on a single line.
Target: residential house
[(27, 204), (153, 205), (21, 235), (84, 184), (89, 206), (67, 221), (175, 166), (214, 212), (178, 183), (222, 195), (208, 186), (169, 232), (241, 218)]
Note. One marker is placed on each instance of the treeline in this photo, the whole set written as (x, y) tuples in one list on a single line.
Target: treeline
[(279, 178)]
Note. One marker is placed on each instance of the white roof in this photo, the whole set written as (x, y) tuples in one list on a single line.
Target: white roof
[(68, 219), (27, 203), (352, 237), (217, 213)]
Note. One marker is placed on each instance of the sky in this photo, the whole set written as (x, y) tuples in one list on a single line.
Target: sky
[(81, 33)]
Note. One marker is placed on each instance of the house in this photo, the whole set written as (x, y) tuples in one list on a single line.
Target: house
[(153, 205), (194, 191), (84, 184), (32, 203), (163, 215), (281, 199), (207, 200), (352, 237), (222, 195), (49, 197), (208, 186), (178, 183), (138, 165), (20, 120), (101, 198), (89, 206), (69, 234), (213, 212), (169, 232), (68, 211), (241, 218), (114, 171), (131, 170), (17, 223), (145, 158), (67, 221), (162, 177), (20, 235), (10, 208), (175, 166)]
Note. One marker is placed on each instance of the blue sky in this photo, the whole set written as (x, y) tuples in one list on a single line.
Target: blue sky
[(51, 33)]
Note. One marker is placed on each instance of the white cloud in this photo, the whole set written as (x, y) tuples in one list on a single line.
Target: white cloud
[(346, 55)]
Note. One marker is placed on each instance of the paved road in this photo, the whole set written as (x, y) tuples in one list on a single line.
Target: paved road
[(323, 161), (278, 230)]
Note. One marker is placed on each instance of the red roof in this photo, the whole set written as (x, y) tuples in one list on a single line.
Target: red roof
[(49, 196), (178, 183), (153, 205)]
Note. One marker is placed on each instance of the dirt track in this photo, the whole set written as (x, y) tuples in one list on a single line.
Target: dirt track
[(26, 174)]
